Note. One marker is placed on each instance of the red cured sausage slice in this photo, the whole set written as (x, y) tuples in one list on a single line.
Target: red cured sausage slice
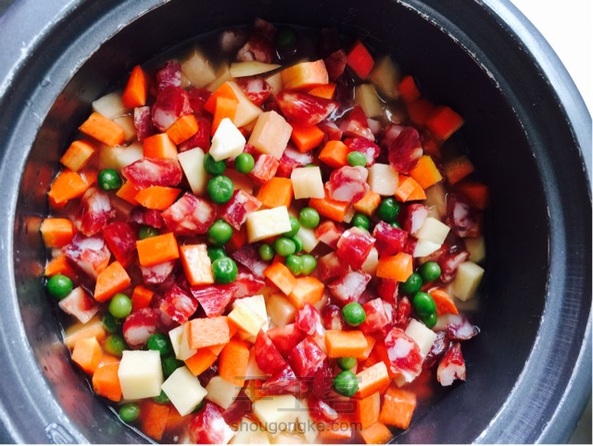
[(139, 326), (348, 183), (153, 172), (190, 215), (267, 356), (404, 355), (452, 366), (95, 211)]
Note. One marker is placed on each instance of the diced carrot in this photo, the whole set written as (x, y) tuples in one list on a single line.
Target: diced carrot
[(457, 169), (87, 354), (196, 264), (78, 154), (408, 90), (476, 193), (281, 276), (308, 289), (397, 267), (408, 189), (367, 410), (334, 154), (371, 344), (432, 147), (66, 186), (107, 359), (233, 361), (329, 208), (59, 265), (376, 433), (443, 301), (208, 331), (326, 91), (158, 249), (372, 379), (223, 91), (159, 146), (105, 381), (225, 108), (103, 129), (443, 122), (360, 60), (338, 431), (306, 138), (136, 90), (425, 172), (110, 281), (201, 360), (420, 110), (175, 420), (93, 328), (157, 197), (128, 192), (339, 343), (141, 297), (368, 204), (56, 232), (398, 407), (305, 75), (153, 418), (184, 128), (276, 192)]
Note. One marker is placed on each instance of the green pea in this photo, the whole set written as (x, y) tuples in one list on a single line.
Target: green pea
[(294, 227), (430, 320), (216, 252), (224, 270), (220, 189), (162, 398), (412, 285), (169, 364), (266, 252), (110, 323), (160, 343), (430, 271), (353, 314), (114, 344), (120, 306), (129, 412), (284, 246), (355, 158), (294, 263), (244, 162), (59, 286), (147, 232), (220, 232), (309, 218), (347, 362), (346, 383), (298, 243), (388, 209), (214, 167), (361, 221), (309, 264), (108, 179), (423, 303)]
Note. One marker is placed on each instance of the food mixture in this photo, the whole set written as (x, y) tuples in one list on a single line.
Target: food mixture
[(267, 239)]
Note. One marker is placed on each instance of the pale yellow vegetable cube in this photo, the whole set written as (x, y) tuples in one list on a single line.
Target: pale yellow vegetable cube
[(227, 141), (267, 223), (198, 69), (385, 75), (118, 157), (180, 342), (383, 179), (140, 374), (370, 264), (249, 315), (424, 248), (280, 310), (184, 390), (422, 335), (307, 236), (467, 280), (249, 432), (433, 230), (436, 200), (270, 134), (126, 122), (246, 111), (222, 392), (251, 68), (366, 96), (192, 164), (110, 105), (273, 410), (307, 182), (476, 248)]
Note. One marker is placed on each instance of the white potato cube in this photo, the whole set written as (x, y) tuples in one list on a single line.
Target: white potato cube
[(198, 70), (246, 111), (253, 371), (110, 105), (118, 157), (249, 314), (273, 410), (433, 230), (251, 68), (126, 122), (370, 264), (366, 96), (270, 134), (383, 179), (306, 425), (280, 309), (227, 142), (422, 335), (192, 163), (308, 238), (249, 432), (467, 280), (140, 374), (288, 438), (436, 200), (184, 390), (307, 182), (180, 343), (267, 223), (385, 76), (476, 248), (275, 82), (222, 392), (424, 248)]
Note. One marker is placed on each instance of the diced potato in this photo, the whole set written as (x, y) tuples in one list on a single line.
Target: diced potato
[(306, 426), (227, 141), (370, 264), (93, 328), (366, 96), (308, 238), (221, 391), (223, 74), (273, 410), (267, 223), (184, 390), (249, 314), (126, 122), (180, 342), (467, 280), (383, 179), (424, 248), (307, 182), (246, 111), (476, 248), (270, 134), (436, 200), (280, 309), (422, 335), (110, 105), (192, 163), (251, 68), (249, 432), (288, 438), (253, 371), (198, 70), (140, 374), (119, 157), (433, 230), (385, 76), (275, 82)]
